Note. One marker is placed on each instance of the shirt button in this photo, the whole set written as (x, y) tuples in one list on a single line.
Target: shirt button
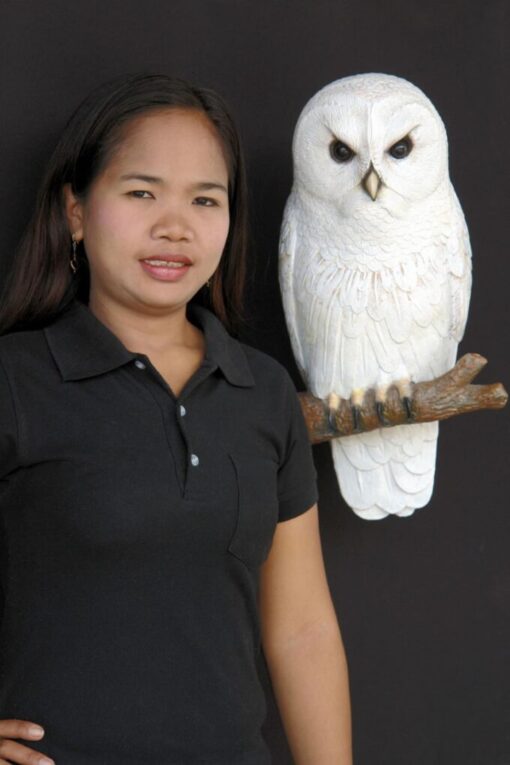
[(182, 410), (139, 364), (194, 460)]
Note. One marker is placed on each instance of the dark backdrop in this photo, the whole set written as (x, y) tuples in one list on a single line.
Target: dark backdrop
[(423, 602)]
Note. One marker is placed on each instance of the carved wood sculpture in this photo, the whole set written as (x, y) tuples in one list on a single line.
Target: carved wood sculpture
[(446, 396)]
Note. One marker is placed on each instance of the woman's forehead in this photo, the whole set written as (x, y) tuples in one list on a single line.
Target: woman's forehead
[(179, 136)]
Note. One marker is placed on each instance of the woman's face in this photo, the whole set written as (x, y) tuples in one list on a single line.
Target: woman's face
[(163, 196)]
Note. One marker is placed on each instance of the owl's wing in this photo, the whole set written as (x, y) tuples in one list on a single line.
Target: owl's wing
[(459, 263), (287, 256)]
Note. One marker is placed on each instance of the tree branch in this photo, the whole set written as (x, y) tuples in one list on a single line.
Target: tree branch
[(447, 396)]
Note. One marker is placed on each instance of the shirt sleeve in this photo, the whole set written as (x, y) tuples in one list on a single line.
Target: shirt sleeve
[(8, 427), (297, 477)]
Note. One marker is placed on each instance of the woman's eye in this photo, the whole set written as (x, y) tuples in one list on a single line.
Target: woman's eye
[(401, 149), (205, 202), (138, 194)]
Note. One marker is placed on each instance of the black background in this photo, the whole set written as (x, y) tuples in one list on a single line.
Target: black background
[(423, 602)]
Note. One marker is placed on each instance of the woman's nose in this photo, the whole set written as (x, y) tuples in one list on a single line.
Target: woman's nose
[(172, 224)]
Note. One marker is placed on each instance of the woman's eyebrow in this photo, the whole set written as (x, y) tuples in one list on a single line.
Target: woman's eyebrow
[(200, 186), (207, 185), (141, 177)]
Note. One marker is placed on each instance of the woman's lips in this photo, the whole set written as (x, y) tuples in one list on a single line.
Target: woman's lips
[(166, 269)]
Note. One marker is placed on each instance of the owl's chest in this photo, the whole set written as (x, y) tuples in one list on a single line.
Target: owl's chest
[(415, 282), (366, 244), (379, 313)]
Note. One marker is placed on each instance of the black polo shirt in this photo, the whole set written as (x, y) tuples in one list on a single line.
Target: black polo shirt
[(132, 527)]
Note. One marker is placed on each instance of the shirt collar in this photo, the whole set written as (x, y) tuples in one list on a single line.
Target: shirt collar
[(83, 346)]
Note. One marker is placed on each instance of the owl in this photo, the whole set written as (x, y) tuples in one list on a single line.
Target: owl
[(375, 273)]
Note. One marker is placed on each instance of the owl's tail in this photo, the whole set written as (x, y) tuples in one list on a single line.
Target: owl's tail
[(388, 471)]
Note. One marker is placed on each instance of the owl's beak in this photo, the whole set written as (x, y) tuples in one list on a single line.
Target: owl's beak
[(371, 182)]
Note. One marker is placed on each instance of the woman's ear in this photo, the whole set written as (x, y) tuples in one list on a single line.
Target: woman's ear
[(74, 212)]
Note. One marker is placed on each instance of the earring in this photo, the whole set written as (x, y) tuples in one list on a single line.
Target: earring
[(208, 283), (74, 260)]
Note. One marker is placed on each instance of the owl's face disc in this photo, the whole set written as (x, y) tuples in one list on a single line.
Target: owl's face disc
[(370, 140)]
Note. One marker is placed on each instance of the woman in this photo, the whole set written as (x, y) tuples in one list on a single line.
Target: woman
[(157, 492)]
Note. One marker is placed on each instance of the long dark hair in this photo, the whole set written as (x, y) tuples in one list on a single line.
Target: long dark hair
[(40, 283)]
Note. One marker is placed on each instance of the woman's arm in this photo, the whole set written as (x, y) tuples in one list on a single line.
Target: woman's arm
[(303, 646)]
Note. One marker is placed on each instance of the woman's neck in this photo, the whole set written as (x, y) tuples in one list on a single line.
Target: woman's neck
[(153, 334)]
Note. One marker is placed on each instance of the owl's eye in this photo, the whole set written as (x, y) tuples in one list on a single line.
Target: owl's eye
[(402, 148), (340, 151)]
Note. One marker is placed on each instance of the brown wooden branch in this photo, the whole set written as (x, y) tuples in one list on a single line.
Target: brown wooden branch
[(447, 396)]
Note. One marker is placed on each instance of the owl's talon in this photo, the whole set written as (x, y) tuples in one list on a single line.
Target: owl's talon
[(332, 420), (379, 408), (356, 418), (407, 406), (333, 404)]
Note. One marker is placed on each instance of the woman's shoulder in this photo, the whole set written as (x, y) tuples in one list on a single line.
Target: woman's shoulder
[(261, 359), (28, 333), (267, 370), (21, 346), (10, 342)]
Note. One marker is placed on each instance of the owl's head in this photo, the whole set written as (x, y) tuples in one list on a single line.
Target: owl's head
[(370, 139)]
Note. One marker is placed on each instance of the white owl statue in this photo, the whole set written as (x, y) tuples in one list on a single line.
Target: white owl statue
[(375, 273)]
